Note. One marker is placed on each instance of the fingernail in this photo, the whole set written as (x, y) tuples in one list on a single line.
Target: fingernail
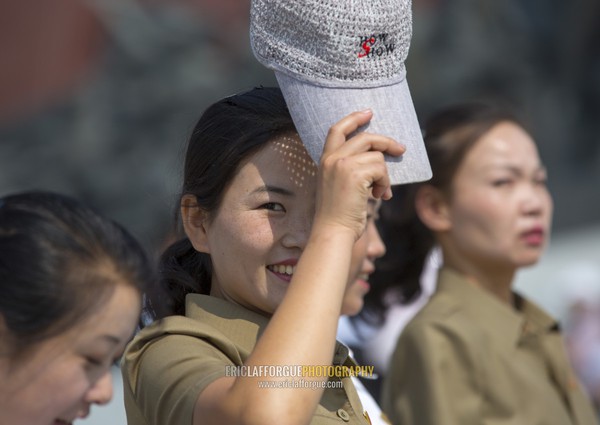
[(366, 111)]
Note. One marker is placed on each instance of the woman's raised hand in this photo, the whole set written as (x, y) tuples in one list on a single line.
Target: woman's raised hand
[(352, 169)]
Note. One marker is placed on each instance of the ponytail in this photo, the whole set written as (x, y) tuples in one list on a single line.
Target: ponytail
[(182, 270), (227, 134)]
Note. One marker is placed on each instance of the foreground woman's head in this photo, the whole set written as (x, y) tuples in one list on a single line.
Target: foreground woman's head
[(71, 284), (247, 206)]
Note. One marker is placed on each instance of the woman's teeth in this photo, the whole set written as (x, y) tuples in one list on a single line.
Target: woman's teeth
[(281, 269)]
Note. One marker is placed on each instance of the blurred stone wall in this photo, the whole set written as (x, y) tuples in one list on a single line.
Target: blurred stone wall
[(117, 138), (115, 135), (542, 57)]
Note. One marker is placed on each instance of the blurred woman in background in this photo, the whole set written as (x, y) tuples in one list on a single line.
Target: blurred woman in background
[(478, 352)]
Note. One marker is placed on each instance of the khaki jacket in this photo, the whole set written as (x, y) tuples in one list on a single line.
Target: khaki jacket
[(170, 362), (468, 358)]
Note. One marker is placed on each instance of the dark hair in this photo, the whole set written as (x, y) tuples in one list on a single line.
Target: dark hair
[(227, 133), (449, 135), (59, 261)]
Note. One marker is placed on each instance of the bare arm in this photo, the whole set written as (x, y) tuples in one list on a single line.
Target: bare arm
[(302, 331)]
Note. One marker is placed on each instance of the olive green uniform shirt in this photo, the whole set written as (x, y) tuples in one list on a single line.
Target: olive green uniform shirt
[(468, 358), (170, 362)]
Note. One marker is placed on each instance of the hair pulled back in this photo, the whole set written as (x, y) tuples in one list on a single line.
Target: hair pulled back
[(226, 135), (59, 262)]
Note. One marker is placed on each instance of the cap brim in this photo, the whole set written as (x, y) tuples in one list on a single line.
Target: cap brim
[(315, 109)]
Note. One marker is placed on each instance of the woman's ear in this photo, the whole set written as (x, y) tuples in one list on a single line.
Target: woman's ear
[(194, 220), (432, 208)]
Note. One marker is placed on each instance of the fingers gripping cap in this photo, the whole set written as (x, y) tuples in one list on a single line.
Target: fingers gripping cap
[(334, 57)]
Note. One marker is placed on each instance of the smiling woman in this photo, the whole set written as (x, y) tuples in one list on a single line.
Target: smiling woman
[(70, 285), (271, 248), (259, 208)]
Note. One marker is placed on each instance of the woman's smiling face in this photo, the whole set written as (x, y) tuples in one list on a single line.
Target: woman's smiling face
[(262, 225), (64, 375)]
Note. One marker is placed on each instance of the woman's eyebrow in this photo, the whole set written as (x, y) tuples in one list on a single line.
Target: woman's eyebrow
[(273, 189), (518, 171), (111, 338)]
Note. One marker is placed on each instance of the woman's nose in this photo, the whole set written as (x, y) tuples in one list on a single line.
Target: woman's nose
[(536, 200), (102, 390), (376, 247)]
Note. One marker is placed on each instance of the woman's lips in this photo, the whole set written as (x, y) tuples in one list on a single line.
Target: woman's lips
[(534, 236), (363, 281), (365, 284), (284, 270)]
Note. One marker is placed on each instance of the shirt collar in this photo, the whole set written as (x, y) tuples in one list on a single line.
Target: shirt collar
[(508, 323), (236, 322), (241, 325)]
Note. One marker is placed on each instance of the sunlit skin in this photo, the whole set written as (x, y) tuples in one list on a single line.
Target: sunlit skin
[(64, 375), (303, 325), (498, 215), (264, 222)]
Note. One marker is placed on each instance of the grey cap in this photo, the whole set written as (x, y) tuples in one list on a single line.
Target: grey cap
[(334, 57)]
